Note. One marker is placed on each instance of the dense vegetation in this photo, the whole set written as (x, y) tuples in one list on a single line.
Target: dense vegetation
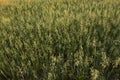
[(60, 40)]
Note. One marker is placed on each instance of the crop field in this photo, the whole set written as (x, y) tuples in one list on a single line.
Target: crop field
[(59, 39)]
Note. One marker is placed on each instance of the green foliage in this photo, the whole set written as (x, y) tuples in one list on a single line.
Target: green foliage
[(60, 40)]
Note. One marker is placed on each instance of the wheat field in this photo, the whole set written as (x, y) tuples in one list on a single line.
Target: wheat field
[(60, 40)]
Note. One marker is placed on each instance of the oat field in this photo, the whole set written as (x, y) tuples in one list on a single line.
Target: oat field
[(60, 40)]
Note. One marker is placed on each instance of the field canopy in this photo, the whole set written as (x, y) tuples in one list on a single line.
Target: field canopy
[(60, 40)]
